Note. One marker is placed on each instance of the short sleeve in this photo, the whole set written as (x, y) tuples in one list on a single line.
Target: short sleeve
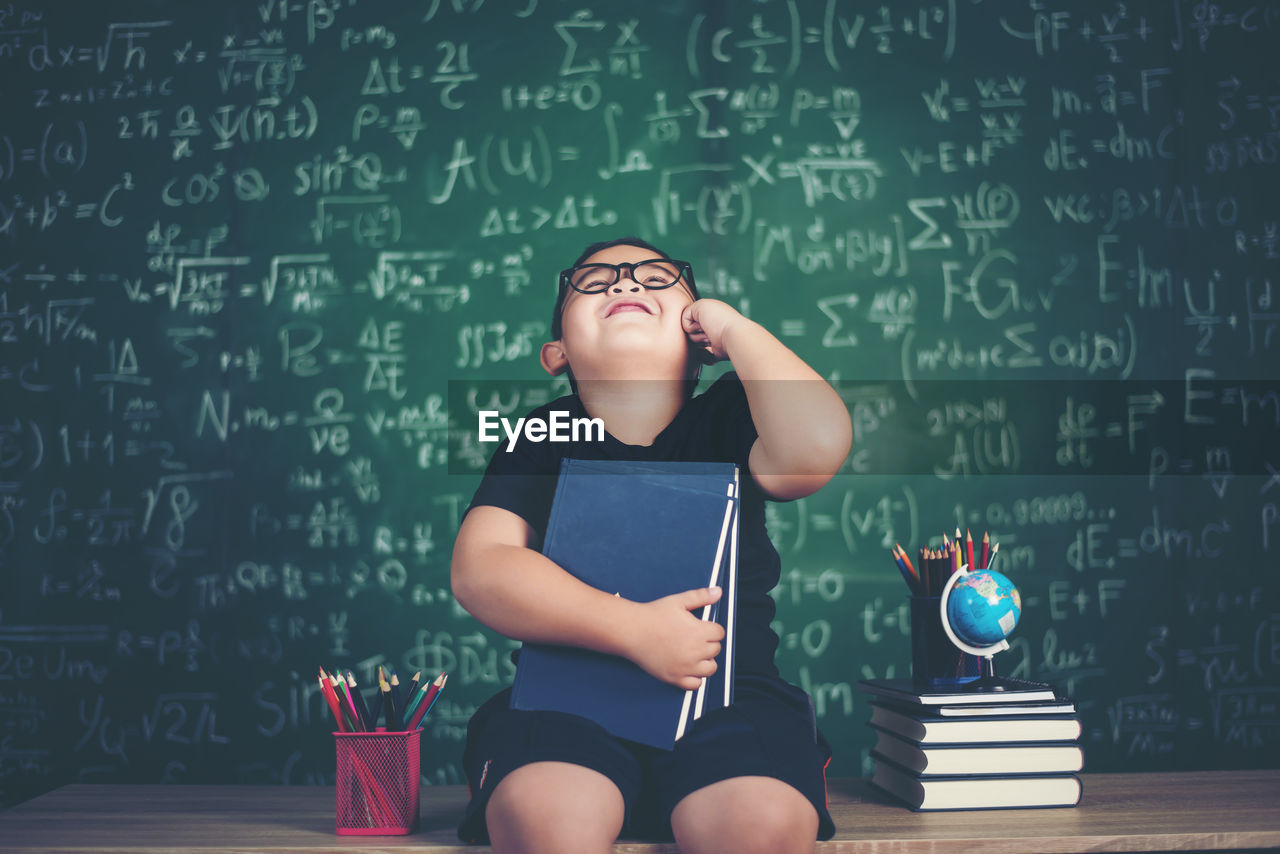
[(522, 481), (729, 414)]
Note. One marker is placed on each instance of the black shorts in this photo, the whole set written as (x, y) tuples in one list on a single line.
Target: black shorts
[(769, 731)]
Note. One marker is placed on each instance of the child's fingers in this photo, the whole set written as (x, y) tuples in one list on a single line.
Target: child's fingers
[(683, 644), (699, 597), (701, 671), (688, 318)]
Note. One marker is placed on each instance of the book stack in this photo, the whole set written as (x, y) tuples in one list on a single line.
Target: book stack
[(980, 747)]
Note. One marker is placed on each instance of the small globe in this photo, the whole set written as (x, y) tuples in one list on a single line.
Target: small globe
[(983, 607)]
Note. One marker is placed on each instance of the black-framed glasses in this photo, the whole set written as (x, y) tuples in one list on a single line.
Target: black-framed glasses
[(654, 275)]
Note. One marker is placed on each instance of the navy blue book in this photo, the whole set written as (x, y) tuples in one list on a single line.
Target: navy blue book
[(641, 530)]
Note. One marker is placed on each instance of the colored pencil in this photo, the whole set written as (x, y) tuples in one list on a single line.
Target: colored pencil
[(332, 700), (902, 568), (415, 699), (902, 552), (361, 707), (389, 703), (396, 693), (986, 549), (379, 709), (429, 703), (348, 714), (376, 796), (383, 676), (444, 680), (968, 547), (428, 700), (412, 687), (348, 704), (428, 690), (914, 580)]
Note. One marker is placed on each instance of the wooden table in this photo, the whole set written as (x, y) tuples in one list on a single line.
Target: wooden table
[(1189, 811)]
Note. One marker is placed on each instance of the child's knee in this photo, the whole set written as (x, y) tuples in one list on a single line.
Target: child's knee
[(776, 828), (554, 807), (771, 818)]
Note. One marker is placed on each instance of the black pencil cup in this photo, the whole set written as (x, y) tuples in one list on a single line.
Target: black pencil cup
[(935, 661)]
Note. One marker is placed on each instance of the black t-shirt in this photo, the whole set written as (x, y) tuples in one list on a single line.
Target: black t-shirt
[(714, 426)]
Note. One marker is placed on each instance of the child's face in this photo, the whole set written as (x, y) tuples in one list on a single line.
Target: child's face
[(626, 321)]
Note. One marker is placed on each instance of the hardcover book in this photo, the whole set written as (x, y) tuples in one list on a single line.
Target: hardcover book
[(963, 710), (1001, 759), (937, 729), (961, 793), (1001, 690), (642, 531)]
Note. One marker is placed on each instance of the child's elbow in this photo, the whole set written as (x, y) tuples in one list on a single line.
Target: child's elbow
[(825, 449), (830, 443), (803, 469), (466, 576), (461, 583), (481, 550)]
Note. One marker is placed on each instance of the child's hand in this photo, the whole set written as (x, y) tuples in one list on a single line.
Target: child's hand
[(676, 646), (705, 322)]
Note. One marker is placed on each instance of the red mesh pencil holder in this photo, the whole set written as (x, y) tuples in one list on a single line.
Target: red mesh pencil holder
[(378, 783)]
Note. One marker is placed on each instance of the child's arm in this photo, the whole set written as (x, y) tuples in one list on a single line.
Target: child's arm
[(803, 425), (520, 593)]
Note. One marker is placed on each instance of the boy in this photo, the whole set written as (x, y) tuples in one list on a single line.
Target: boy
[(630, 330)]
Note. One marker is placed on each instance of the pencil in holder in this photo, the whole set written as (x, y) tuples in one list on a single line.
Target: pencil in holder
[(379, 782), (935, 660)]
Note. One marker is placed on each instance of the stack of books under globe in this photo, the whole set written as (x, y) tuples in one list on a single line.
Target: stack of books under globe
[(978, 747)]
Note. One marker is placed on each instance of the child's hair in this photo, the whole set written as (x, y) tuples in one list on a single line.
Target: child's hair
[(557, 329)]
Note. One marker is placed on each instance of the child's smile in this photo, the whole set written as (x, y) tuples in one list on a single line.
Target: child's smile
[(627, 305)]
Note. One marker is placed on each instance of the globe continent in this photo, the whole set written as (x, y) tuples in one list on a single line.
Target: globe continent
[(983, 607)]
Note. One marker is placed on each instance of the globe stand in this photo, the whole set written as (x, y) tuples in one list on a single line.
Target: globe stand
[(987, 681)]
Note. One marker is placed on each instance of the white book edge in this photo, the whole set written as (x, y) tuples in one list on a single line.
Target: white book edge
[(731, 616), (686, 707)]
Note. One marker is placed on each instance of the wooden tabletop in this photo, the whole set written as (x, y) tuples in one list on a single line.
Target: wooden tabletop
[(1188, 811)]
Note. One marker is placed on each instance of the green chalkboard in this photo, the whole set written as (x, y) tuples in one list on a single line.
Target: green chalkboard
[(262, 262)]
